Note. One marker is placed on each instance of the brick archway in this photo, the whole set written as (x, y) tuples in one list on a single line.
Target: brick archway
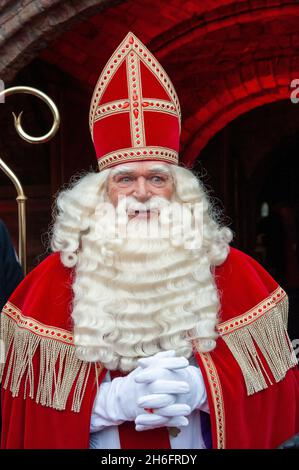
[(262, 75), (26, 27), (225, 58), (263, 85)]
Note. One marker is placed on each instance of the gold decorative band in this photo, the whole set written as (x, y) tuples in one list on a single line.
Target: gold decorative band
[(264, 334), (253, 314), (51, 353), (217, 397), (36, 327), (113, 107), (138, 154)]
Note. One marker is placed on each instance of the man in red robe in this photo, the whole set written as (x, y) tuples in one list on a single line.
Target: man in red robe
[(145, 328)]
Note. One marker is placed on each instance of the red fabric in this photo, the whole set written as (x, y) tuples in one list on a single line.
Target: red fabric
[(118, 86), (112, 133), (151, 88), (132, 439), (117, 94), (24, 423), (154, 122), (262, 420), (267, 418)]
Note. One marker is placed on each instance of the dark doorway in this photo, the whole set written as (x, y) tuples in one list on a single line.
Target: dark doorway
[(251, 167)]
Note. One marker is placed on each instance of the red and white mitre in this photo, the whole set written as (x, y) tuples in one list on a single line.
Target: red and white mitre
[(135, 112)]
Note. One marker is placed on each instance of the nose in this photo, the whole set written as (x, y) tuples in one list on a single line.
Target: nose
[(141, 191)]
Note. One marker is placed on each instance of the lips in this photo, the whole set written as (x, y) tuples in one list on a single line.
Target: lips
[(141, 213)]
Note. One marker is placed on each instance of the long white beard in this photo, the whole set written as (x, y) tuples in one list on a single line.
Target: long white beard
[(137, 296)]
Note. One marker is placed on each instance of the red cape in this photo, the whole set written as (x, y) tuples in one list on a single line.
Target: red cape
[(251, 377)]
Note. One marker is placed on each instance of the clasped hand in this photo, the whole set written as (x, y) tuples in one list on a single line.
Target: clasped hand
[(174, 389)]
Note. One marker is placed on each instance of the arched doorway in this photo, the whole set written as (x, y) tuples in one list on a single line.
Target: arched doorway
[(252, 169), (223, 58)]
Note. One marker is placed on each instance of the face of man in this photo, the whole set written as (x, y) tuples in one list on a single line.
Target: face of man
[(141, 180), (133, 299)]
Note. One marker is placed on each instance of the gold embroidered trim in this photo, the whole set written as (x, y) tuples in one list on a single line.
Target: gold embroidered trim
[(150, 153), (123, 106), (217, 396), (59, 368), (131, 45), (267, 330), (135, 100), (36, 327), (159, 105), (110, 108), (255, 313)]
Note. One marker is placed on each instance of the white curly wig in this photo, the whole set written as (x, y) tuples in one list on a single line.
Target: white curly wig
[(131, 299)]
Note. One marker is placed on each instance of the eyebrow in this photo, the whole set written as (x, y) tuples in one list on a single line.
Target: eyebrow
[(124, 171)]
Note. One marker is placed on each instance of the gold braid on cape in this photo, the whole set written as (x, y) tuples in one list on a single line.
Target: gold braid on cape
[(265, 327), (60, 371)]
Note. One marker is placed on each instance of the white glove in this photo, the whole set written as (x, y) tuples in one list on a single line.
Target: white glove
[(144, 422), (186, 383), (169, 377), (117, 401)]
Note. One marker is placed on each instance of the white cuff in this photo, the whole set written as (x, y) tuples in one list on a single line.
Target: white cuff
[(105, 409), (201, 398)]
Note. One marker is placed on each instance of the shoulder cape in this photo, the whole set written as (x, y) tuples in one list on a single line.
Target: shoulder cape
[(251, 377)]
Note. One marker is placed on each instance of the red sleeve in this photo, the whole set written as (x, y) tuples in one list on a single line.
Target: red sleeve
[(46, 293), (38, 408), (242, 283), (251, 376)]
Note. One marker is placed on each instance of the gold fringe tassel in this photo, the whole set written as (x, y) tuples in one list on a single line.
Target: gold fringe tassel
[(59, 368), (284, 308), (270, 335)]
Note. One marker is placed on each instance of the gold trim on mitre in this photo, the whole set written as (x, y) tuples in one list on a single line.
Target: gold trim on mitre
[(263, 326), (59, 368), (135, 155), (131, 44)]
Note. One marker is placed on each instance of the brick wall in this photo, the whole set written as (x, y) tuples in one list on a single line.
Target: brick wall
[(224, 57)]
